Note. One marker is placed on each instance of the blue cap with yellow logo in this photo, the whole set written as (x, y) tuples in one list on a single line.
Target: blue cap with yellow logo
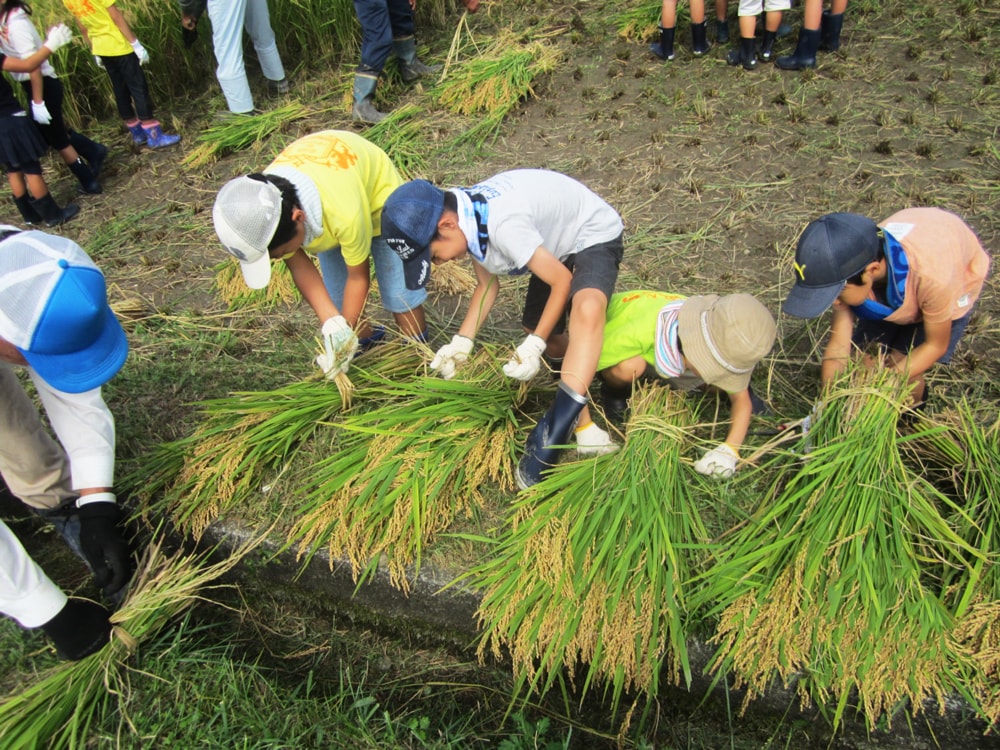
[(832, 249)]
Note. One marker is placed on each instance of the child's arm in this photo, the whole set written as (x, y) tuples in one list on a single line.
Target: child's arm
[(550, 269), (937, 336), (356, 291), (309, 282), (39, 112), (119, 20), (741, 409), (481, 301), (59, 36), (838, 349)]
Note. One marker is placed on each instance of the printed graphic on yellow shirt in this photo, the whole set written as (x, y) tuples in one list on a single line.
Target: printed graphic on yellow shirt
[(330, 153)]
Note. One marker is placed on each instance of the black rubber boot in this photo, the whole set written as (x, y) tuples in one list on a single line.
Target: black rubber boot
[(664, 49), (722, 31), (805, 52), (93, 153), (614, 400), (767, 46), (28, 213), (745, 54), (829, 31), (699, 39), (51, 214), (85, 176), (552, 429)]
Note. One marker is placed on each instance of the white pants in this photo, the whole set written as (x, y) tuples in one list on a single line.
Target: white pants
[(229, 18), (26, 593)]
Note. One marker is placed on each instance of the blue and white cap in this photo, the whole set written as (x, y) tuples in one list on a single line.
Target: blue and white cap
[(54, 310)]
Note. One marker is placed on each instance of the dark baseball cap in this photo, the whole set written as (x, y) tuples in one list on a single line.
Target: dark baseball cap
[(832, 249), (409, 222)]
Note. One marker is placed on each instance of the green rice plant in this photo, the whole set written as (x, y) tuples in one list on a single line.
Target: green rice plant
[(246, 438), (402, 135), (58, 709), (638, 21), (406, 468), (598, 560), (490, 85), (238, 296), (241, 132), (965, 447), (835, 583)]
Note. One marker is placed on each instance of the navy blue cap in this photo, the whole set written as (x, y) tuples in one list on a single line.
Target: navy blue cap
[(409, 222), (832, 249)]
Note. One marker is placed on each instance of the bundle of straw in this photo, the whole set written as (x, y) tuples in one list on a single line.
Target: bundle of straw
[(493, 83), (975, 468), (238, 296), (240, 132), (58, 710), (598, 559), (405, 469), (836, 580), (246, 438), (403, 136)]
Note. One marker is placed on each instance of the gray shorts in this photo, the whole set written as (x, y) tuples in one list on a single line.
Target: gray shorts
[(594, 267), (903, 338)]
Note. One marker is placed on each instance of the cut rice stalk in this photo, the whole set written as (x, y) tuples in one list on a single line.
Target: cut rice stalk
[(247, 437), (597, 562), (405, 469), (835, 583), (58, 709)]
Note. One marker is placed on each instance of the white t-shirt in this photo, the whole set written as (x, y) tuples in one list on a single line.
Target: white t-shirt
[(529, 208), (19, 38)]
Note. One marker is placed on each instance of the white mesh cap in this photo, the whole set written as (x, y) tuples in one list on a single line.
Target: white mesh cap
[(246, 215), (54, 310)]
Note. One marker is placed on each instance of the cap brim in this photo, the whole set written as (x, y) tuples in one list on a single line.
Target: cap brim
[(257, 273), (811, 301), (89, 368), (417, 270)]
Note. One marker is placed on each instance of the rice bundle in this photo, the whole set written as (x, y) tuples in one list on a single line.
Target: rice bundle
[(406, 468), (493, 83), (976, 589), (58, 710), (637, 21), (246, 438), (835, 583), (402, 135), (238, 296), (240, 132), (598, 559)]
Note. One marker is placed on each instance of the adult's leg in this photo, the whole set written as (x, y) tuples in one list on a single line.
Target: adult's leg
[(33, 464), (227, 18), (258, 25)]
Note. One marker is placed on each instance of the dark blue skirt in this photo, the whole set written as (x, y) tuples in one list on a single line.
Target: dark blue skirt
[(20, 142)]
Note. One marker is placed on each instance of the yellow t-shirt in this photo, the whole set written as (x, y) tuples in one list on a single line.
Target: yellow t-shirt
[(354, 178), (105, 37)]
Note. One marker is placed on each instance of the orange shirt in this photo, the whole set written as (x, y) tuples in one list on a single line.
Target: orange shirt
[(948, 265)]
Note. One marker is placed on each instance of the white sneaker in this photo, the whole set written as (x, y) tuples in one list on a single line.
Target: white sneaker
[(593, 441)]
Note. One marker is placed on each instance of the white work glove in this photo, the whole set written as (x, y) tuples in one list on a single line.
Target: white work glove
[(718, 462), (40, 113), (99, 62), (593, 441), (140, 52), (450, 356), (527, 359), (59, 36), (340, 344)]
